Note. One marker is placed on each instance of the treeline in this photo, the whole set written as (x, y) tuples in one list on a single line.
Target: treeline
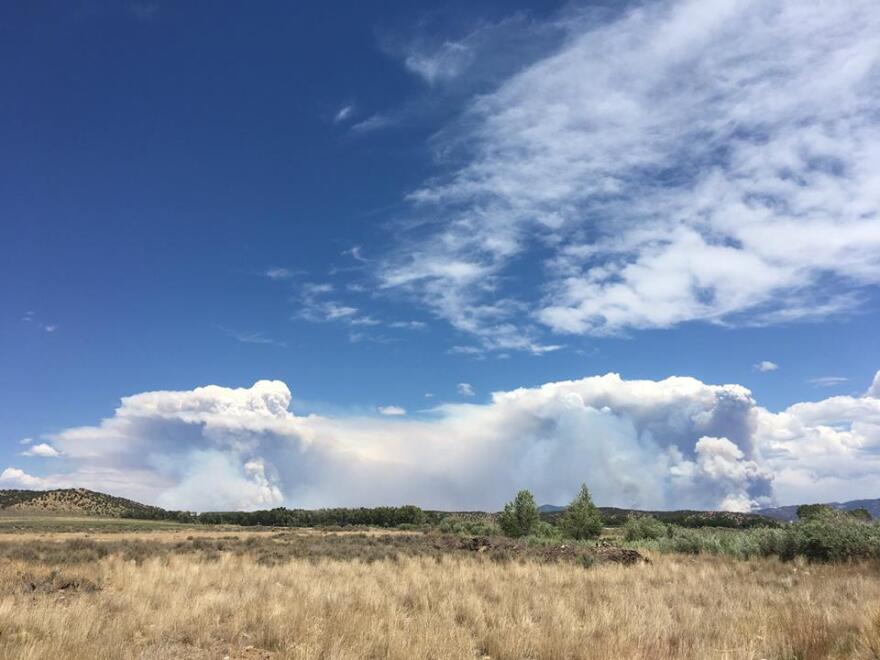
[(381, 516), (613, 517)]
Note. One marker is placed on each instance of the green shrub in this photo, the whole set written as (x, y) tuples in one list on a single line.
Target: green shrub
[(812, 511), (689, 542), (638, 528), (835, 539), (544, 530), (827, 537), (469, 526), (519, 516), (581, 519)]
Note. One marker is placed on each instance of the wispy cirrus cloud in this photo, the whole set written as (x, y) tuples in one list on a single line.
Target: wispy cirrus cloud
[(344, 113), (251, 337), (828, 381), (372, 123), (277, 273), (682, 161), (443, 63), (322, 302)]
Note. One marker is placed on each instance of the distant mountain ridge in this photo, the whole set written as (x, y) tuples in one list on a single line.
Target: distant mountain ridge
[(86, 502), (789, 513), (70, 500)]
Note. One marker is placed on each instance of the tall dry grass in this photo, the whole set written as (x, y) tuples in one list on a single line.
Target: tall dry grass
[(463, 607)]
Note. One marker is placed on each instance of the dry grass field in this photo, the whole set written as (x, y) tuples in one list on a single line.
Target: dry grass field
[(242, 594)]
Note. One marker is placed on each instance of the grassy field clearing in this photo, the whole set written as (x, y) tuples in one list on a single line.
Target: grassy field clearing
[(311, 594)]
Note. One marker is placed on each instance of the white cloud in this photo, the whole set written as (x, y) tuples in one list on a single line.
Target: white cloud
[(345, 112), (684, 161), (408, 325), (318, 308), (357, 253), (42, 450), (444, 63), (674, 443), (465, 389), (828, 381), (372, 123), (392, 411), (50, 328), (765, 366), (15, 478), (278, 273), (874, 390), (25, 441)]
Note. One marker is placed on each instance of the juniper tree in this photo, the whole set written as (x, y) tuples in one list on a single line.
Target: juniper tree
[(581, 519), (519, 516)]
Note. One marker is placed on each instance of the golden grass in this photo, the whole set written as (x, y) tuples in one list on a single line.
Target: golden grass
[(182, 606)]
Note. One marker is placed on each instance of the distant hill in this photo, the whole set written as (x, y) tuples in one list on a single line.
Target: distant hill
[(78, 501), (550, 508), (789, 513)]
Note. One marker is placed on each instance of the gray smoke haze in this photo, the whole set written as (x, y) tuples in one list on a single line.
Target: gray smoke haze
[(673, 443)]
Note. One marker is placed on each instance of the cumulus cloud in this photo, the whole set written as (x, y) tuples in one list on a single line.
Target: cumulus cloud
[(465, 389), (680, 161), (672, 443), (765, 366), (391, 411), (42, 450), (15, 478)]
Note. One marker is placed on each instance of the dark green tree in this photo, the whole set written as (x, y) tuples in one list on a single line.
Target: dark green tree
[(813, 511), (860, 514), (520, 516), (581, 519)]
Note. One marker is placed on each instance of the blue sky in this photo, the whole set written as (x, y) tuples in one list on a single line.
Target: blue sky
[(375, 202)]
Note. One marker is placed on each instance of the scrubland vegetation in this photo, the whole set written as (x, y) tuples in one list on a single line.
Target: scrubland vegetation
[(311, 594), (516, 585)]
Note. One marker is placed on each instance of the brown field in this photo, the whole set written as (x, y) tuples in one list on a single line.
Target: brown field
[(202, 593)]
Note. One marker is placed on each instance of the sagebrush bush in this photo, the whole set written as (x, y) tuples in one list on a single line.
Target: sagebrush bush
[(824, 538), (469, 526), (637, 528), (544, 530)]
